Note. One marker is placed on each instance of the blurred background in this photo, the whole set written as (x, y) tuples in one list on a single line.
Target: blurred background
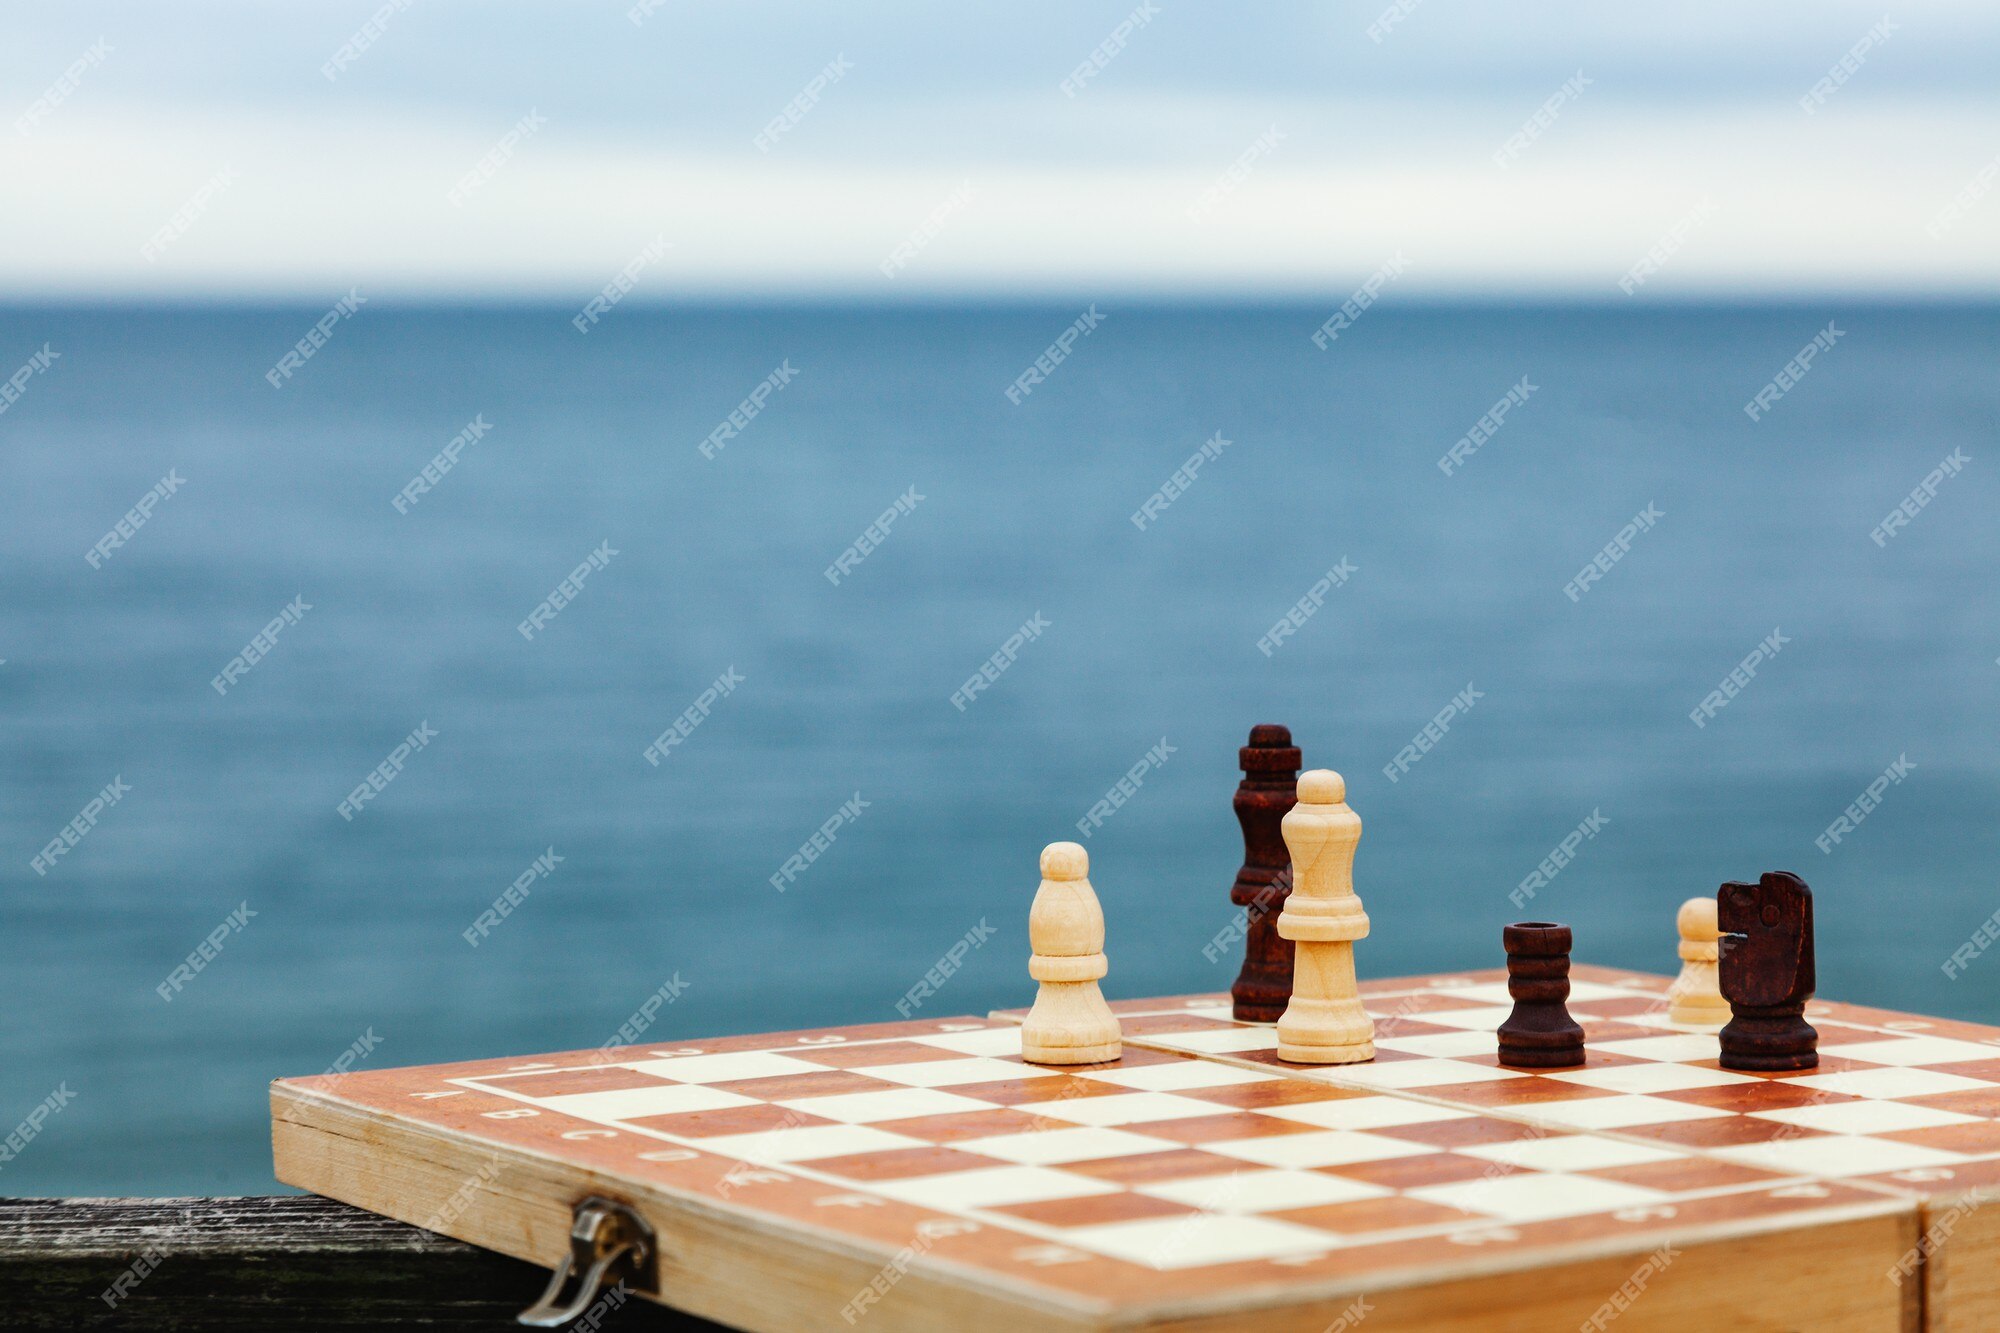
[(835, 346)]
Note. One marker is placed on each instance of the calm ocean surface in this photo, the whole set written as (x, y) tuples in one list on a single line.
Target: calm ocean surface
[(1889, 651)]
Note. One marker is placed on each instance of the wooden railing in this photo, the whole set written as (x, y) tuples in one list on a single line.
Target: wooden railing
[(279, 1265)]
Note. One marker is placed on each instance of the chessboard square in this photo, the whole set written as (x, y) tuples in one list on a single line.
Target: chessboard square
[(728, 1066), (982, 1041), (1421, 1073), (1220, 1041), (1222, 1013), (897, 1052), (1913, 1051), (1569, 1152), (1865, 1117), (1085, 1143), (862, 1108), (1179, 1076), (1175, 1165), (1124, 1108), (631, 1103), (1392, 1212), (944, 1073), (1333, 1147), (1445, 1045), (804, 1143), (1651, 1077), (1486, 1019), (1688, 1046), (1267, 1191), (991, 1187), (1538, 1197), (1888, 1082), (1488, 992), (1837, 1155), (1195, 1240), (1366, 1113), (928, 1159), (1619, 1111), (562, 1082)]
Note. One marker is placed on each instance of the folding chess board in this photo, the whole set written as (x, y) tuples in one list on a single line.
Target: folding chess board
[(918, 1175)]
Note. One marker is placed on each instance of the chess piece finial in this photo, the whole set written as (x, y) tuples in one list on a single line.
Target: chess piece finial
[(1696, 994), (1324, 1023), (1270, 764), (1070, 1023), (1539, 1033), (1766, 973)]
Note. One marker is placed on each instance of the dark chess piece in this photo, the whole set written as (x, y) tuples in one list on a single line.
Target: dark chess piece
[(1767, 973), (1539, 1034), (1270, 764)]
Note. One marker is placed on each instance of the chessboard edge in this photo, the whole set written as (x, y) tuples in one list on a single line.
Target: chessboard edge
[(300, 1119)]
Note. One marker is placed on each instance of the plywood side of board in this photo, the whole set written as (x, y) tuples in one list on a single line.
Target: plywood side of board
[(1829, 1279), (1960, 1280), (717, 1265)]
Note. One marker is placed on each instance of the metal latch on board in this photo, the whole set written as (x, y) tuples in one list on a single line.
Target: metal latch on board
[(608, 1244)]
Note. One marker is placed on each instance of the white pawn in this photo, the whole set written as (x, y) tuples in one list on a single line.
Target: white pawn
[(1697, 991), (1324, 1024), (1070, 1023)]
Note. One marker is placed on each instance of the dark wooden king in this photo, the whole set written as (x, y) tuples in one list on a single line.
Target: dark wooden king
[(1269, 789), (1767, 973), (1539, 1034)]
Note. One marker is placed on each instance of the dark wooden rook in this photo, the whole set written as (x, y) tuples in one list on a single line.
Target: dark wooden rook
[(1767, 973), (1539, 1034), (1269, 789)]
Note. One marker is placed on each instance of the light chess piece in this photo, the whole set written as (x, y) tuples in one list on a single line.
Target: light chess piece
[(1070, 1023), (1324, 1024), (1696, 994)]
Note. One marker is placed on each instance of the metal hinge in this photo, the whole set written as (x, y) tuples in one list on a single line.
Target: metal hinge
[(608, 1242)]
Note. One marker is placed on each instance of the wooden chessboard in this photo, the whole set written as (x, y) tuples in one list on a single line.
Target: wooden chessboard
[(918, 1175)]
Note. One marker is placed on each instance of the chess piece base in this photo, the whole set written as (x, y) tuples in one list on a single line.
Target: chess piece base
[(1351, 1054), (1563, 1054), (1709, 1017), (1037, 1054), (1766, 1041)]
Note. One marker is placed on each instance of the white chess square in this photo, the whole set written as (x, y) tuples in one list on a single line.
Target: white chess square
[(1619, 1111), (1420, 1073), (947, 1073), (1122, 1108), (861, 1108), (1369, 1112), (1267, 1191), (1865, 1117), (1195, 1239), (1687, 1046), (990, 1187), (1838, 1155), (1333, 1147), (1177, 1076), (1484, 1019), (631, 1103), (983, 1041), (1569, 1152), (1222, 1012), (1662, 1077), (1085, 1143), (1442, 1044), (1889, 1082), (1914, 1051), (725, 1067), (1537, 1198), (803, 1143), (1219, 1040)]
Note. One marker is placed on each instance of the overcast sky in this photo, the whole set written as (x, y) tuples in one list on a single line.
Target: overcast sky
[(1257, 150)]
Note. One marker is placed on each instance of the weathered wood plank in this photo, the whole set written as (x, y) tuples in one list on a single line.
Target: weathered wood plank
[(296, 1263)]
